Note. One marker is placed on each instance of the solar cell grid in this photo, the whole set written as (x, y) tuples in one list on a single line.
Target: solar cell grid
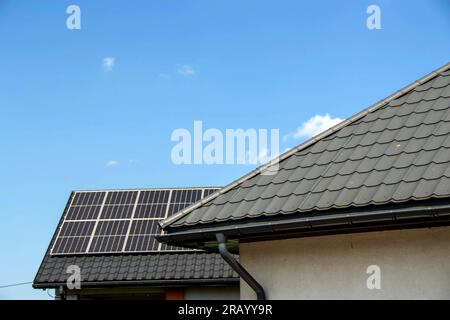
[(138, 243), (144, 227), (120, 221), (104, 244), (165, 247), (76, 229), (154, 196), (117, 211), (88, 198), (83, 212), (113, 228), (71, 245), (121, 197), (150, 211), (182, 199), (207, 192)]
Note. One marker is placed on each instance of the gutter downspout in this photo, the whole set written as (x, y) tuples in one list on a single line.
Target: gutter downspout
[(236, 266)]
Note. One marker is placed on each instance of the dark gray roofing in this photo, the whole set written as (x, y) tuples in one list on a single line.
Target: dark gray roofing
[(137, 269), (183, 267), (395, 151)]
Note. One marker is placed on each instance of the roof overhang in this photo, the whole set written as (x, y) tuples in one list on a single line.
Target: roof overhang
[(363, 219), (145, 283)]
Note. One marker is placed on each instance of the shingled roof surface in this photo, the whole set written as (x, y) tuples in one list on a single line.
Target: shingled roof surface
[(181, 267), (145, 268), (397, 152)]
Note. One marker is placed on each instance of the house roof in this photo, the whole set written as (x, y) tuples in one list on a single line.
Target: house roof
[(396, 151), (137, 269), (145, 266)]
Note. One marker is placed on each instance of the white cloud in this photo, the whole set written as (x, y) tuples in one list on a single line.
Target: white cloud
[(108, 64), (186, 70), (314, 126), (112, 163)]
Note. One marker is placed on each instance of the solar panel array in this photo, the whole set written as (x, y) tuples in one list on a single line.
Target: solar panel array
[(120, 220)]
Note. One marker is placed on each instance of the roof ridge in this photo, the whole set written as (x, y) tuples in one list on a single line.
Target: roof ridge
[(168, 221)]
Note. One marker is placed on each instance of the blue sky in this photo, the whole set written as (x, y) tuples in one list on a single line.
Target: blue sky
[(230, 64)]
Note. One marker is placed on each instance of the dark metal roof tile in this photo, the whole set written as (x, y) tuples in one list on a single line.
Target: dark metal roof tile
[(349, 167), (425, 188), (367, 164), (331, 183), (282, 176), (287, 189), (394, 175), (274, 205), (435, 171), (427, 85), (405, 133), (356, 180), (330, 198), (310, 159), (443, 186), (388, 113), (257, 192), (416, 119), (416, 96), (446, 92), (398, 152), (365, 194), (384, 193), (336, 143), (310, 201), (414, 173), (404, 160), (399, 101), (444, 128), (335, 167), (304, 186), (395, 123), (433, 93), (310, 173), (258, 207), (441, 103), (378, 150), (442, 155)]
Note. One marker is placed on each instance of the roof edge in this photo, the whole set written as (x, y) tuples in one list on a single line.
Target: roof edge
[(116, 283), (148, 189), (170, 220), (419, 213)]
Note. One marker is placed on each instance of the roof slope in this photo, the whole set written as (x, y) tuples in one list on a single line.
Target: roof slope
[(179, 266), (394, 152), (140, 268)]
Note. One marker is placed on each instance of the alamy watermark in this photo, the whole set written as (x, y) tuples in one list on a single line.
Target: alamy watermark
[(233, 146), (374, 280), (74, 280), (373, 21), (73, 21)]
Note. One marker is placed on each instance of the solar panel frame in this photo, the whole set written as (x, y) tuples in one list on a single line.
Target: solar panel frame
[(113, 216), (85, 199)]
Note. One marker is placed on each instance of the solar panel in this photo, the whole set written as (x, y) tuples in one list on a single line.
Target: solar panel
[(120, 220)]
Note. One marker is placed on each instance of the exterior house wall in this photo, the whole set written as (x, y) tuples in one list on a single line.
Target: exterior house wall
[(211, 293), (414, 264)]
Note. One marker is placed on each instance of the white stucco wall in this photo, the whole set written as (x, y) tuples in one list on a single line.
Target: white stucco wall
[(415, 264), (211, 293)]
